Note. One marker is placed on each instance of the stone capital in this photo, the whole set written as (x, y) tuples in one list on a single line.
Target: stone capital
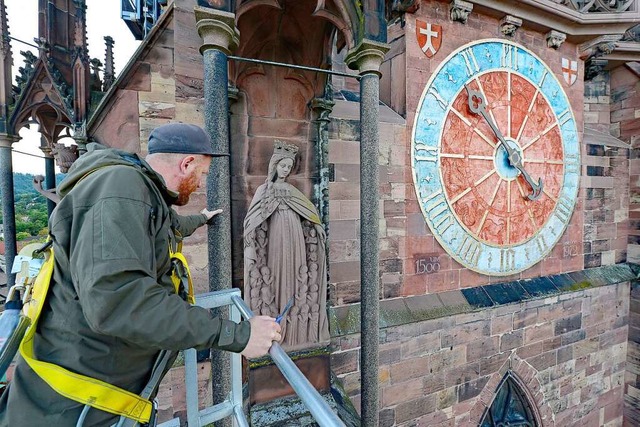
[(367, 56), (217, 29), (234, 94), (6, 140), (322, 108)]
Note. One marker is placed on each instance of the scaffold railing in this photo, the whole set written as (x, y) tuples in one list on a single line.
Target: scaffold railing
[(232, 406)]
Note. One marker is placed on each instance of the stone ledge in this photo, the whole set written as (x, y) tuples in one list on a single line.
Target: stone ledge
[(345, 320)]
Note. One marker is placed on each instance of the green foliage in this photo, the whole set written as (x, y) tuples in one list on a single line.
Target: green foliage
[(22, 235), (22, 183), (31, 208)]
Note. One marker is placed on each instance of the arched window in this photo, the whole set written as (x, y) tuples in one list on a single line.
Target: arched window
[(510, 406)]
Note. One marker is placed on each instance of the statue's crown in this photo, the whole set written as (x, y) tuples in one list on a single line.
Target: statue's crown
[(286, 150)]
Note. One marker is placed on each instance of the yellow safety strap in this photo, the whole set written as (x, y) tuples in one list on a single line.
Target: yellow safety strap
[(180, 272), (83, 389)]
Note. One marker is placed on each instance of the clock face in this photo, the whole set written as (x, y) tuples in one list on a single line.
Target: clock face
[(495, 156)]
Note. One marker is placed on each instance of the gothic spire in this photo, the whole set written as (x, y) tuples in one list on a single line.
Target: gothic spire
[(6, 61), (81, 73), (109, 69)]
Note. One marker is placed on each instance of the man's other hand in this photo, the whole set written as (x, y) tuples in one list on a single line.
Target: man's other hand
[(264, 331)]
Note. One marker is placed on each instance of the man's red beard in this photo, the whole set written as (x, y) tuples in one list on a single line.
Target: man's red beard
[(185, 188)]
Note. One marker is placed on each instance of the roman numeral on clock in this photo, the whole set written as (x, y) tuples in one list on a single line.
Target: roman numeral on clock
[(571, 164), (542, 244), (441, 102), (470, 62), (469, 251), (430, 156), (439, 213), (507, 260), (509, 58), (563, 209)]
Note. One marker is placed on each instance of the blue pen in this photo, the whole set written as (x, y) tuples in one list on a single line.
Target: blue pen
[(284, 312)]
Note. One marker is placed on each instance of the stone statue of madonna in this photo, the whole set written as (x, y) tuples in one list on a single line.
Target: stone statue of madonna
[(284, 255)]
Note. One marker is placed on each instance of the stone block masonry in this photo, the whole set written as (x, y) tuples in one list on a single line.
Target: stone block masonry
[(632, 378), (568, 349)]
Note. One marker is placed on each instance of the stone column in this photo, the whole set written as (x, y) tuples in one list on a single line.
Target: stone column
[(8, 203), (321, 108), (367, 58), (220, 36), (49, 171), (80, 137), (50, 180)]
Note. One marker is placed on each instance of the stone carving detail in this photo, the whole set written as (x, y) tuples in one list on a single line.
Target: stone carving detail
[(593, 67), (606, 48), (459, 10), (26, 71), (602, 45), (398, 8), (95, 83), (285, 255), (64, 155), (598, 6), (632, 34), (322, 108), (43, 45), (509, 25), (555, 39), (592, 51)]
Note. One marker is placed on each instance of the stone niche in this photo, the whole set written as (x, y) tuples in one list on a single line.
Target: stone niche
[(277, 103)]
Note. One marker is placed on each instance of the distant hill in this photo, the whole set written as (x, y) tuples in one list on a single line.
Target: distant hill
[(22, 183), (30, 208)]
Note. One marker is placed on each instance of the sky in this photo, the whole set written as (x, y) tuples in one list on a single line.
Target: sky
[(103, 18)]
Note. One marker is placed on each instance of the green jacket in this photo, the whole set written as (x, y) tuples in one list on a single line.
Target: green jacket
[(112, 306)]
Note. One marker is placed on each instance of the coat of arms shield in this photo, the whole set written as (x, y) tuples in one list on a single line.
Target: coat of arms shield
[(429, 37), (569, 71)]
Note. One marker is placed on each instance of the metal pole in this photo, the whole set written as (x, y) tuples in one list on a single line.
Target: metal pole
[(191, 381), (320, 410), (236, 375), (297, 67), (8, 209), (369, 276)]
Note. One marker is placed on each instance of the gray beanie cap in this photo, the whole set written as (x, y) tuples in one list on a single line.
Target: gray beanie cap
[(180, 138)]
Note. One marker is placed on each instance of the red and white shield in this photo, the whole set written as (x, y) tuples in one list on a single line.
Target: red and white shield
[(429, 37), (569, 71)]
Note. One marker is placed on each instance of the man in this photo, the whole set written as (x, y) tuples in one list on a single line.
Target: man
[(112, 305)]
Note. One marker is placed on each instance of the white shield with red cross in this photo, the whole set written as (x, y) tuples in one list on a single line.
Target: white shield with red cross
[(429, 37), (569, 71)]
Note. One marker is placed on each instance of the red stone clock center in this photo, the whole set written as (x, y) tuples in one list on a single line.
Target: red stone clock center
[(486, 193)]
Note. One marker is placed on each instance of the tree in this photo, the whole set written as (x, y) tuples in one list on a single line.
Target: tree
[(31, 208), (22, 235)]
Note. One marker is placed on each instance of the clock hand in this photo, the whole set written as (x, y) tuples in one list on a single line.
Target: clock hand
[(536, 189), (477, 105)]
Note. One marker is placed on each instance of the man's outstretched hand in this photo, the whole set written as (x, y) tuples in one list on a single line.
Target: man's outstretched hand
[(264, 331), (210, 214)]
